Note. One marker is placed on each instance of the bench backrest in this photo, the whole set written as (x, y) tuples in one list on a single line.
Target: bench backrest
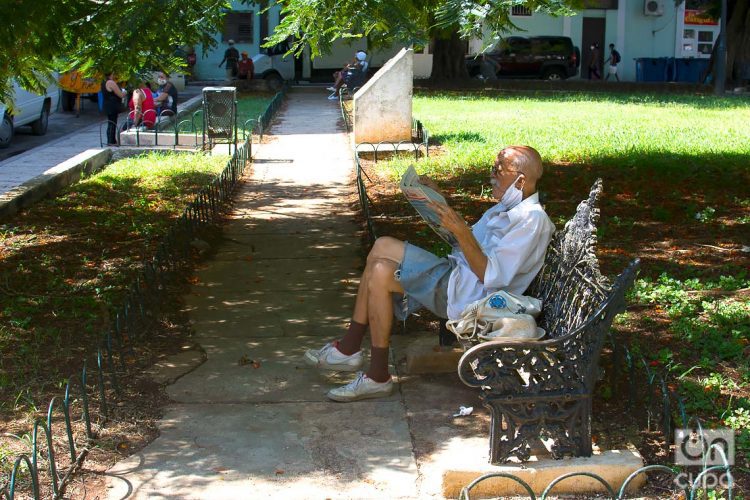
[(570, 284)]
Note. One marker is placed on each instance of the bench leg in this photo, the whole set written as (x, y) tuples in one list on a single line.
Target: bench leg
[(517, 426), (446, 337)]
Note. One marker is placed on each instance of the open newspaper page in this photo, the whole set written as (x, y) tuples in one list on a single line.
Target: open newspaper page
[(419, 196)]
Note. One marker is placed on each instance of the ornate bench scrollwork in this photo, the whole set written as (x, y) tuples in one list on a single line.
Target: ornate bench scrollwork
[(543, 388)]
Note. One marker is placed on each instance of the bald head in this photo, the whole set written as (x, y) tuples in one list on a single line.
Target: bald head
[(524, 160)]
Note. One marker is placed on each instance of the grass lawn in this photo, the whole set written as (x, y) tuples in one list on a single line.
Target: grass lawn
[(676, 172), (66, 263), (603, 130), (249, 106)]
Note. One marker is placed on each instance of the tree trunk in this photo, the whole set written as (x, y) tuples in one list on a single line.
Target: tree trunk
[(448, 56), (736, 38), (738, 66), (737, 42)]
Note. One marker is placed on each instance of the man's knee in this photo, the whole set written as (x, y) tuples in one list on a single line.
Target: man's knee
[(388, 248), (380, 273)]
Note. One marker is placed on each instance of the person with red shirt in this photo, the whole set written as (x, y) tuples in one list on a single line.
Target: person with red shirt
[(142, 108), (245, 68)]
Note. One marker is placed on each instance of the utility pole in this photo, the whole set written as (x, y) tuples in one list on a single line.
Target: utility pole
[(721, 53)]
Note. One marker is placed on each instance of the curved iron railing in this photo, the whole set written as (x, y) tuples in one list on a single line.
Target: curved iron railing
[(689, 490), (140, 308)]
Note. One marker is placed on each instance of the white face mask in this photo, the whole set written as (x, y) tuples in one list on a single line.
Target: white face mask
[(161, 81), (512, 196)]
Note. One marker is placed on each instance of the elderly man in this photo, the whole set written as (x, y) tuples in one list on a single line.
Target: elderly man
[(503, 251)]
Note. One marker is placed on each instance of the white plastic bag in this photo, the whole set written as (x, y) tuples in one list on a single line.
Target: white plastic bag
[(480, 318)]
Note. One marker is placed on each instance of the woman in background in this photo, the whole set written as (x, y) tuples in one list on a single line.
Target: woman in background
[(113, 97)]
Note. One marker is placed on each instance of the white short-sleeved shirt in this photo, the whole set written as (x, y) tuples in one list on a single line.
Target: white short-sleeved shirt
[(514, 241)]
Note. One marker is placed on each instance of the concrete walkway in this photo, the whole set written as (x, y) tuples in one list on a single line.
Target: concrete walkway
[(283, 281)]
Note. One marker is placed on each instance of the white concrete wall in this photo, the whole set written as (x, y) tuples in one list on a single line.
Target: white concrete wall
[(382, 107)]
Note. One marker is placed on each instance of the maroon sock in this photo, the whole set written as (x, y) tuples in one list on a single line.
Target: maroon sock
[(352, 341), (379, 364)]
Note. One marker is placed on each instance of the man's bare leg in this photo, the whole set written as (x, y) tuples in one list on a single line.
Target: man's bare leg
[(382, 262)]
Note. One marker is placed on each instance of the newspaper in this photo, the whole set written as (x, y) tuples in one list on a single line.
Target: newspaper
[(419, 195)]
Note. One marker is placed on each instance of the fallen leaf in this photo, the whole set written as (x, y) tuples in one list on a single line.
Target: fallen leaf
[(123, 446), (244, 360), (256, 364), (279, 472), (219, 469), (248, 258)]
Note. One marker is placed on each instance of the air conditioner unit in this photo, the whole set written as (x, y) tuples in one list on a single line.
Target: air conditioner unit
[(653, 7)]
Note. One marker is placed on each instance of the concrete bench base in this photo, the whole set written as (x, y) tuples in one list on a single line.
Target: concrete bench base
[(424, 355), (149, 138), (614, 466)]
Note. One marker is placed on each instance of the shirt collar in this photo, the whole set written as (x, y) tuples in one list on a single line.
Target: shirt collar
[(526, 205)]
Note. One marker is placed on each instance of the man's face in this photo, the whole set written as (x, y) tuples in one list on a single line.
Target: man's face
[(502, 176)]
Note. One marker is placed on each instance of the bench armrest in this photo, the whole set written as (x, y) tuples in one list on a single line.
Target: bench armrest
[(562, 364)]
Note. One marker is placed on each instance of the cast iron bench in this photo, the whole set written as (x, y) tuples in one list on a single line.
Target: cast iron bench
[(544, 388)]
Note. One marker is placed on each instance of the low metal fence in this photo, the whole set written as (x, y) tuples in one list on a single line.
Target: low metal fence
[(133, 319), (656, 403), (419, 144)]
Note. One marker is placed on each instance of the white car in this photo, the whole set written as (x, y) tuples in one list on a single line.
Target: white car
[(28, 109)]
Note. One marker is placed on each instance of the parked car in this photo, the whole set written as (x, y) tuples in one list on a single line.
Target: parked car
[(28, 109), (545, 57)]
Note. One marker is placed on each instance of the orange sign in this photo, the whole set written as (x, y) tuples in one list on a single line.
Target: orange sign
[(72, 81), (695, 16)]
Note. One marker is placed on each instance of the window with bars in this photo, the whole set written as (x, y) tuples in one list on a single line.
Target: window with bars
[(238, 26), (520, 10)]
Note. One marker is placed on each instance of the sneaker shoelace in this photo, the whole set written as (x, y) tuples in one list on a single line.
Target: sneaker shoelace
[(357, 381)]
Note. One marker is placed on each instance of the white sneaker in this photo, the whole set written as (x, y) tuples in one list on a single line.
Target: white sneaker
[(333, 97), (361, 387), (332, 89), (330, 358)]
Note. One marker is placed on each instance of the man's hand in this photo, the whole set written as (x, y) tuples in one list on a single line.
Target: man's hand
[(451, 220), (455, 223)]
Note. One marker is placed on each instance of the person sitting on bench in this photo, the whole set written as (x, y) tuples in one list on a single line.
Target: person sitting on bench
[(354, 70), (503, 251)]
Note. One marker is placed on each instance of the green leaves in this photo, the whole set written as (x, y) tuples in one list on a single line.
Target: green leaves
[(126, 37), (320, 22)]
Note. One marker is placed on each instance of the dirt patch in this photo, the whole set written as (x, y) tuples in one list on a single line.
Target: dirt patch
[(66, 266)]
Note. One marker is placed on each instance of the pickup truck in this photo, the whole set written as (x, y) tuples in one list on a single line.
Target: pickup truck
[(28, 108)]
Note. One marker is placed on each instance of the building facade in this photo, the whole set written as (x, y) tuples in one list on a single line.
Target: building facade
[(247, 26), (638, 28)]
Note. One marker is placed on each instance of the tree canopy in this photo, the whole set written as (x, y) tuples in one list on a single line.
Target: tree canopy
[(97, 36), (318, 23)]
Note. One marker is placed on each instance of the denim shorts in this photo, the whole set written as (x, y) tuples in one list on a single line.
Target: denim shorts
[(424, 278)]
